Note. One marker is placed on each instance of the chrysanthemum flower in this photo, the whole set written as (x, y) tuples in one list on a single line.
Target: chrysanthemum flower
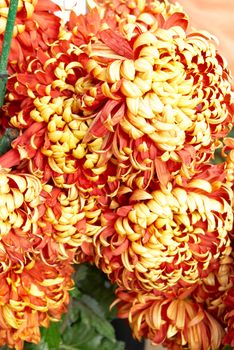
[(30, 298), (36, 26), (169, 94), (175, 319), (54, 101), (173, 235)]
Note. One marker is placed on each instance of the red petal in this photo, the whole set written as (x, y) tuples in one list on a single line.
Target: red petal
[(121, 248), (117, 43), (123, 211), (10, 159), (177, 19), (162, 171)]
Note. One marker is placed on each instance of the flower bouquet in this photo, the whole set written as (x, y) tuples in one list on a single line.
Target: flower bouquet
[(115, 153)]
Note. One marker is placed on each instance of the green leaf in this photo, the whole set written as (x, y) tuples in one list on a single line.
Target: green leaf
[(41, 346), (90, 281), (93, 313), (51, 335), (6, 139), (106, 345), (50, 338)]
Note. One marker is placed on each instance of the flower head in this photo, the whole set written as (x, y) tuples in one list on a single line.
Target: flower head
[(50, 100), (170, 319), (56, 224), (167, 92), (171, 236), (30, 298)]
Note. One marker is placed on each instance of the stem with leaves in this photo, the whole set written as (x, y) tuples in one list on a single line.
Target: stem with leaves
[(6, 48)]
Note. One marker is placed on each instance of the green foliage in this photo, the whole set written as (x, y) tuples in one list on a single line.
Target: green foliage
[(94, 283), (6, 139), (86, 325)]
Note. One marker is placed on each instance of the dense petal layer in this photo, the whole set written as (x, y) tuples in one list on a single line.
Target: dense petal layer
[(170, 236), (170, 319)]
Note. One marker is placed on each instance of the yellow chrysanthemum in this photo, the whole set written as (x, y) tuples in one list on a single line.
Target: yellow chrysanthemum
[(57, 224), (167, 89), (174, 235), (173, 98)]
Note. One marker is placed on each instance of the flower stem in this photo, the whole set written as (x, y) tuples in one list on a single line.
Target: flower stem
[(6, 48)]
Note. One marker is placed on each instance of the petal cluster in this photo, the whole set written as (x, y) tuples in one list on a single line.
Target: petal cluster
[(37, 246), (168, 237), (30, 297)]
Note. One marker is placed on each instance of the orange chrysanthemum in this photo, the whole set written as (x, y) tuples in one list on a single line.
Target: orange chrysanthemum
[(175, 319), (50, 100), (161, 81), (165, 111), (191, 317), (171, 236), (36, 26), (29, 298)]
